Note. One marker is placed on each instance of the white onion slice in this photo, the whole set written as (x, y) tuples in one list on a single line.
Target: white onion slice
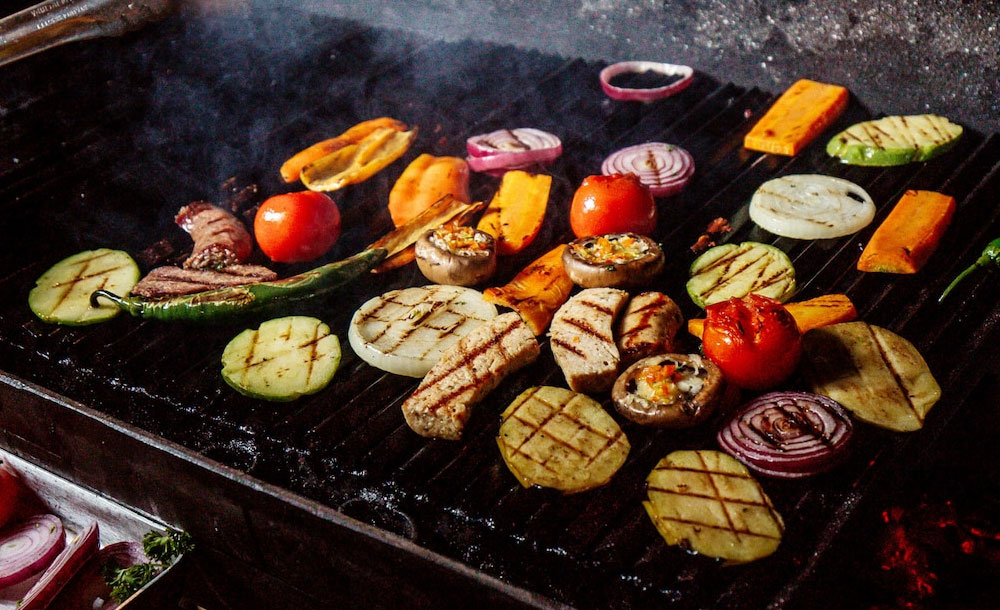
[(811, 206), (788, 434), (686, 74), (665, 169), (512, 149), (28, 547)]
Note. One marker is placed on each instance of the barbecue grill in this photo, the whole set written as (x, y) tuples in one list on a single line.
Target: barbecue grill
[(332, 501)]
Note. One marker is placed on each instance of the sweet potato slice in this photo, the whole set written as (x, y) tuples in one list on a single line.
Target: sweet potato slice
[(537, 291), (514, 216), (802, 112), (909, 234)]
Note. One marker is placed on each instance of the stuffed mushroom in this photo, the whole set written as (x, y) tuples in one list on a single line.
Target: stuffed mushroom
[(456, 255), (669, 390), (614, 260)]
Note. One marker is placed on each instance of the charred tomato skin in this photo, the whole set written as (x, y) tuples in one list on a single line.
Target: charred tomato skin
[(297, 227), (753, 340), (10, 491), (617, 203)]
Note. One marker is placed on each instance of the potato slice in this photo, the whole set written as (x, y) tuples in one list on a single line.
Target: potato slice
[(707, 501), (876, 374), (558, 438)]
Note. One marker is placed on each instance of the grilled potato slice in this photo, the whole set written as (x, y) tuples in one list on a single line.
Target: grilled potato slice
[(62, 294), (558, 438), (876, 374), (707, 501)]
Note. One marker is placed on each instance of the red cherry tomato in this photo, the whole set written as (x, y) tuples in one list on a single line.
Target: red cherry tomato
[(618, 203), (10, 490), (753, 340), (297, 227)]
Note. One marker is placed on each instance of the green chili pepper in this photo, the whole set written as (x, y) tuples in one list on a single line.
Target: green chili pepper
[(991, 254), (249, 298)]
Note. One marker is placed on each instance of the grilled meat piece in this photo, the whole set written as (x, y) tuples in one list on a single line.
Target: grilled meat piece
[(466, 373), (220, 239), (648, 327), (582, 342), (164, 282)]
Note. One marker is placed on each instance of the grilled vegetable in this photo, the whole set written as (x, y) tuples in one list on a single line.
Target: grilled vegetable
[(648, 327), (291, 169), (62, 294), (909, 234), (582, 339), (619, 203), (283, 359), (359, 161), (556, 438), (821, 311), (874, 373), (664, 168), (802, 112), (507, 149), (261, 297), (754, 340), (894, 140), (297, 227), (811, 206), (669, 390), (425, 180), (515, 214), (683, 75), (788, 434), (461, 256), (537, 291), (406, 331), (732, 270), (615, 260), (400, 241), (991, 254), (708, 502), (466, 373)]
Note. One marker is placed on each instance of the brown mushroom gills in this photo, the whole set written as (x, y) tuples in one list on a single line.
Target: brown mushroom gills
[(699, 391)]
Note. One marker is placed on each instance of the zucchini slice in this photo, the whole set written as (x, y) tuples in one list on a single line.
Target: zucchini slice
[(894, 140), (557, 438), (731, 270), (62, 294), (709, 502), (283, 359)]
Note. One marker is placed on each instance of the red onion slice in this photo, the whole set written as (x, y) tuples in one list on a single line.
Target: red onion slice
[(788, 434), (506, 149), (686, 74), (62, 569), (665, 169), (88, 585), (28, 547)]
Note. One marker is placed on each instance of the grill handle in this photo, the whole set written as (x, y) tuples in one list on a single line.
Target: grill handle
[(55, 22)]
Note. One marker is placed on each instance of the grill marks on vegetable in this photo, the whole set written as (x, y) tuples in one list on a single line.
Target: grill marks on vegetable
[(757, 280), (897, 375)]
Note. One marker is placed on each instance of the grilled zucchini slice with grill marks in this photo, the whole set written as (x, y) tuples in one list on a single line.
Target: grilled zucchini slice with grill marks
[(62, 294), (732, 270), (554, 437), (283, 359), (894, 140), (708, 502)]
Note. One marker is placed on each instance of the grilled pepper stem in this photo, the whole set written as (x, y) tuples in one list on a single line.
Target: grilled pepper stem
[(250, 298), (991, 254)]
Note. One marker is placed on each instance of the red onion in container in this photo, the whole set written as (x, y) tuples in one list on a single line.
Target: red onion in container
[(788, 434), (28, 547), (664, 168)]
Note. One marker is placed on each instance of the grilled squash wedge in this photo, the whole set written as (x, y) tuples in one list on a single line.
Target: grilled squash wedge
[(732, 270), (894, 140), (708, 502), (62, 294), (557, 438)]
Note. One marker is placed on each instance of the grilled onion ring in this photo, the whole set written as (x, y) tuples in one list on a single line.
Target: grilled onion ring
[(788, 434), (664, 168), (512, 149), (686, 74)]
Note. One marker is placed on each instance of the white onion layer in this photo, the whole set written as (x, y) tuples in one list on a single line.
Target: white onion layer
[(811, 206)]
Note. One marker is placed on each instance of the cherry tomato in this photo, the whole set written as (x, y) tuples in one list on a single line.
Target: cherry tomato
[(10, 490), (618, 203), (753, 340), (297, 227)]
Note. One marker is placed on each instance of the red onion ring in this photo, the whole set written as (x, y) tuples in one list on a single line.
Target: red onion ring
[(62, 569), (28, 547), (788, 434), (686, 74), (506, 149), (664, 169)]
